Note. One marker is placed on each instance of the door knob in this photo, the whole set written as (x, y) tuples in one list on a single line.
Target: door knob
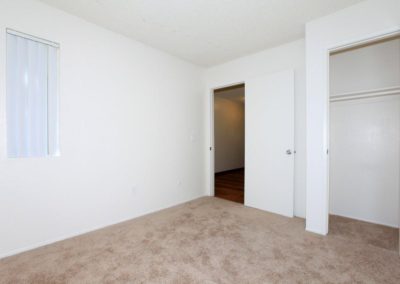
[(288, 152)]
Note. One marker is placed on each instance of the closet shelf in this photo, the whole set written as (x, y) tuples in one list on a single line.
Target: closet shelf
[(390, 91)]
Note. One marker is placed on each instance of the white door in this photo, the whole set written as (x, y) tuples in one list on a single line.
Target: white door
[(269, 162)]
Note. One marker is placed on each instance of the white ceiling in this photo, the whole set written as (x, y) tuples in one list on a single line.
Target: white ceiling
[(205, 32)]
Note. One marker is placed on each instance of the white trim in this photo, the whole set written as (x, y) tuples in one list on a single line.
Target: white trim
[(370, 38), (394, 226), (365, 40), (366, 94), (212, 146), (31, 37), (393, 32), (95, 228), (211, 189)]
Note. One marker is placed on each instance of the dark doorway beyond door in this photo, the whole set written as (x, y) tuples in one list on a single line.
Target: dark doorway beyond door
[(230, 185)]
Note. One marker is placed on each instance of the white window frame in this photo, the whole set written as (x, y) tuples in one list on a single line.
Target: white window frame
[(50, 152)]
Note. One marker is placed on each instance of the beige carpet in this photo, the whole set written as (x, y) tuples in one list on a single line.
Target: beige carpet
[(210, 240)]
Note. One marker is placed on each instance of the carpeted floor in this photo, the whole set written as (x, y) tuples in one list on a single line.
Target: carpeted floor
[(211, 240)]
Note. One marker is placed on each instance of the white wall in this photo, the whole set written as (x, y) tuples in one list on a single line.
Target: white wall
[(229, 133), (131, 133), (364, 135), (356, 23), (364, 159), (368, 68), (288, 56)]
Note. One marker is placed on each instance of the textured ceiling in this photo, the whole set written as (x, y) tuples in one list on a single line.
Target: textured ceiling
[(205, 32)]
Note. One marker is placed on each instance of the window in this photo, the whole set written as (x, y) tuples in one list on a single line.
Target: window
[(32, 99)]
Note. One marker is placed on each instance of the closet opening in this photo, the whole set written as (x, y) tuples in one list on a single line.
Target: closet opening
[(364, 143), (229, 142)]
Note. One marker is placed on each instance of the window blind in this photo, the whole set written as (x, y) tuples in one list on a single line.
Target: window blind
[(32, 99)]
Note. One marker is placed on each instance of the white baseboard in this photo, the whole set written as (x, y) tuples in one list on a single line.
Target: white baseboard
[(366, 220), (95, 228), (311, 230)]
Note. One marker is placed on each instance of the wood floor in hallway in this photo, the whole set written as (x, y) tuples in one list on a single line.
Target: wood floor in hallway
[(230, 185)]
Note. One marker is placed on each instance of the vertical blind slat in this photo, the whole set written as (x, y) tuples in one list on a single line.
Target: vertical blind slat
[(30, 90)]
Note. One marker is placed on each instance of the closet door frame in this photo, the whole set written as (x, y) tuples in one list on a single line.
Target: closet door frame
[(322, 38), (343, 47)]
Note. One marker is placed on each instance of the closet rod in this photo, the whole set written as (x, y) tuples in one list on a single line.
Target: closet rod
[(366, 94)]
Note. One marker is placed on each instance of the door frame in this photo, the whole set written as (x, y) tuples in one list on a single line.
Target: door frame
[(211, 186), (355, 43)]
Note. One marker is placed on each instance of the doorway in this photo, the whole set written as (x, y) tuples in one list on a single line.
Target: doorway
[(364, 150), (229, 143), (269, 142)]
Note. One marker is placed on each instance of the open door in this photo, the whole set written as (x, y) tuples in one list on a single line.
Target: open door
[(269, 161)]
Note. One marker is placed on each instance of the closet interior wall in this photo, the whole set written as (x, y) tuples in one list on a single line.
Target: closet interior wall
[(365, 132)]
